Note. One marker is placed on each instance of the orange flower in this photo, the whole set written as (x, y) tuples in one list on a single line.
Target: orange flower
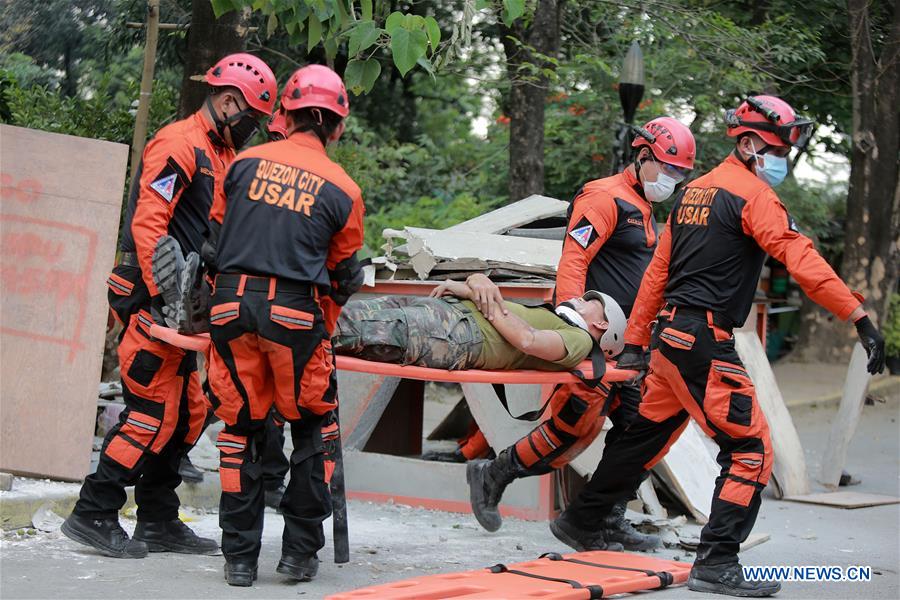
[(559, 97), (503, 120), (597, 157), (592, 138), (646, 104), (577, 110)]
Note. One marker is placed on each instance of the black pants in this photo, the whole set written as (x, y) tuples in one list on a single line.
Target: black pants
[(164, 415), (270, 347), (275, 464), (305, 505), (694, 371)]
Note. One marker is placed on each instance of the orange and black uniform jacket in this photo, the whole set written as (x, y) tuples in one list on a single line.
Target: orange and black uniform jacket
[(291, 212), (710, 257), (173, 190), (610, 240)]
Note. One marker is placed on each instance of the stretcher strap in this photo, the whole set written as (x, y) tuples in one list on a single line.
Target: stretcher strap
[(531, 415), (665, 578), (595, 591)]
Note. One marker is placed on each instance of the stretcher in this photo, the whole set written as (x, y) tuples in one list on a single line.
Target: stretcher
[(576, 576), (200, 342)]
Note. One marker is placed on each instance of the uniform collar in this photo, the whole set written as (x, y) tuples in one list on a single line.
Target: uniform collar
[(206, 125), (631, 182), (733, 160), (307, 140)]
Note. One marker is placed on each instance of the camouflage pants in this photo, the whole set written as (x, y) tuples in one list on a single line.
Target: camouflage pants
[(409, 330)]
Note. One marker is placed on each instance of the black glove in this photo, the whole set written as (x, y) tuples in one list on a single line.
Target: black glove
[(873, 342), (633, 358), (158, 310)]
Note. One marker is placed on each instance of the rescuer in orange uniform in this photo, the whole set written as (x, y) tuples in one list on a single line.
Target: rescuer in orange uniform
[(609, 242), (289, 222), (699, 287), (165, 410)]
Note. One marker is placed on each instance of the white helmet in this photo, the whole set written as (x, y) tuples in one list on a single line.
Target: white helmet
[(612, 342)]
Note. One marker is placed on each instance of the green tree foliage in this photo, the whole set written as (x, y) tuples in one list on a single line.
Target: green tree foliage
[(365, 27), (422, 71)]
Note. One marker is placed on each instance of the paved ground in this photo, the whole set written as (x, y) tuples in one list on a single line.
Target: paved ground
[(394, 542)]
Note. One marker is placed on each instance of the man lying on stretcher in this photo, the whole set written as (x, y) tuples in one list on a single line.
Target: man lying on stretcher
[(447, 331)]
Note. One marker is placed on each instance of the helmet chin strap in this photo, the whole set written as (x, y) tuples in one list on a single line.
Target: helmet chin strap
[(218, 122), (571, 316)]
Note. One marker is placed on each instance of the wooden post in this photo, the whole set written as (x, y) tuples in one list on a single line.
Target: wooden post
[(143, 111)]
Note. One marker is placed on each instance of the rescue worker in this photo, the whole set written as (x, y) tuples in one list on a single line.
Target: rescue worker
[(290, 223), (165, 410), (609, 242), (700, 286)]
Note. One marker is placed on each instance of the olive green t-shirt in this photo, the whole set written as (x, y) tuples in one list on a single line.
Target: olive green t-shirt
[(497, 353)]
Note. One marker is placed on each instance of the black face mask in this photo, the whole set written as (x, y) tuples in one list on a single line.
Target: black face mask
[(242, 125)]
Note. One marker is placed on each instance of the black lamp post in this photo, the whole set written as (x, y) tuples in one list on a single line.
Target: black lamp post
[(631, 90)]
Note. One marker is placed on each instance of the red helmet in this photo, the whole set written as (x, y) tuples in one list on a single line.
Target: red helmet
[(316, 86), (669, 140), (772, 119), (278, 125), (250, 75)]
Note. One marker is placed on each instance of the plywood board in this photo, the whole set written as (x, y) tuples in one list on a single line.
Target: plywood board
[(789, 470), (500, 429), (525, 211), (755, 539), (844, 424), (60, 200), (845, 499), (690, 472)]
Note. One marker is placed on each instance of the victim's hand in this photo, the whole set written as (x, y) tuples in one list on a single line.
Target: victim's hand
[(451, 288), (486, 296)]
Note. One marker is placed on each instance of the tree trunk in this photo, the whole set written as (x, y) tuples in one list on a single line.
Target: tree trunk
[(208, 40), (871, 260), (528, 94), (70, 81)]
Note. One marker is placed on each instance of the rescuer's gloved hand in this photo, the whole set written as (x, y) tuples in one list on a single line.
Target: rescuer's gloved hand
[(633, 358), (159, 311), (873, 342)]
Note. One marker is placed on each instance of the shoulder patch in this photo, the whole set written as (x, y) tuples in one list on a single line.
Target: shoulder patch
[(169, 181), (582, 235), (165, 187), (792, 224)]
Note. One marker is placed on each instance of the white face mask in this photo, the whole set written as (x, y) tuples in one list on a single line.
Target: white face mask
[(662, 188)]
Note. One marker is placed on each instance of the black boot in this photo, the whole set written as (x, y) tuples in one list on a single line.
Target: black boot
[(241, 573), (580, 538), (299, 567), (106, 535), (487, 479), (728, 579), (188, 471), (173, 536), (616, 528), (273, 497)]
